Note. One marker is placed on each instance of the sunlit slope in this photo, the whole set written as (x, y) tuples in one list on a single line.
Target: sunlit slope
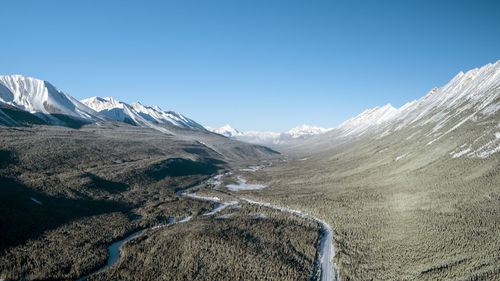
[(416, 198), (470, 99)]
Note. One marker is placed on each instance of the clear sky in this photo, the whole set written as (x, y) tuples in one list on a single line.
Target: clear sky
[(255, 64)]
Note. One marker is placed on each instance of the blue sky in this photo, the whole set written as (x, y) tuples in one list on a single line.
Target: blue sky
[(257, 65)]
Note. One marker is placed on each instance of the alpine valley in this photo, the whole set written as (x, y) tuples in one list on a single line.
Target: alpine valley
[(99, 189)]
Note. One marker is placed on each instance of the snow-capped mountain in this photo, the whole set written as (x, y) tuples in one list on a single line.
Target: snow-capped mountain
[(138, 114), (42, 99), (369, 119), (306, 130), (154, 113), (26, 100), (226, 130), (270, 138), (476, 92), (470, 100), (113, 109)]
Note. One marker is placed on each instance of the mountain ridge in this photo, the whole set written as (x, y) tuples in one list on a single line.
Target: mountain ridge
[(45, 101), (267, 137), (26, 101), (470, 100)]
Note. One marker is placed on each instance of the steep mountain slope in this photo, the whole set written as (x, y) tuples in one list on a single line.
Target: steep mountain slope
[(469, 99), (138, 114), (156, 114), (42, 100), (120, 111), (30, 101), (411, 193)]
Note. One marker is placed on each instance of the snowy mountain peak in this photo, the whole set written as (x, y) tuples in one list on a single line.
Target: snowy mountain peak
[(43, 99), (225, 130), (306, 130), (139, 105), (471, 98), (138, 114), (269, 138), (100, 104)]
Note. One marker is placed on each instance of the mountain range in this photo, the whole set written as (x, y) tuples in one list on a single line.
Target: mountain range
[(464, 111), (469, 98), (26, 100), (272, 139)]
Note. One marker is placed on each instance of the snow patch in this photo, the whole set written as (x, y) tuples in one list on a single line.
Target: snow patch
[(215, 181), (223, 217), (252, 169), (242, 185), (488, 149), (402, 156), (257, 215), (186, 219), (491, 109), (458, 154), (221, 206)]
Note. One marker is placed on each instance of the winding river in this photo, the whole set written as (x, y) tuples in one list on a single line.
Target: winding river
[(329, 271), (114, 253)]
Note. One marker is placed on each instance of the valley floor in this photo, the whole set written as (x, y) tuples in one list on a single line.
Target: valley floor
[(395, 221), (75, 196)]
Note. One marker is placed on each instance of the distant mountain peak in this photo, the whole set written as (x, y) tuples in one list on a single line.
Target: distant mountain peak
[(225, 130), (306, 130), (269, 138), (100, 104)]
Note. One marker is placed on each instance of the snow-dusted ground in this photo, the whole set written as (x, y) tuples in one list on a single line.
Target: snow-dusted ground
[(226, 216), (215, 182), (401, 156), (458, 154), (257, 215), (221, 205), (242, 185)]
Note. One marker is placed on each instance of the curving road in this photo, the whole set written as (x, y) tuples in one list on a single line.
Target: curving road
[(329, 271)]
